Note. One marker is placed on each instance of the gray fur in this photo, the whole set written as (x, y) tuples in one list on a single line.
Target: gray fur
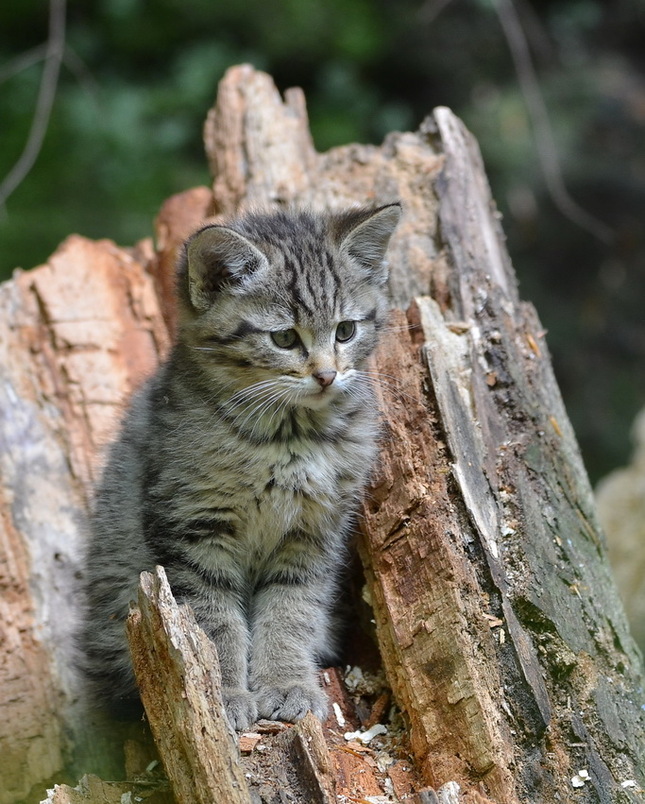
[(241, 463)]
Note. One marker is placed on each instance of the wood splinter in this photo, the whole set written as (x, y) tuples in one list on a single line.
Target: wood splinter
[(179, 680), (177, 671)]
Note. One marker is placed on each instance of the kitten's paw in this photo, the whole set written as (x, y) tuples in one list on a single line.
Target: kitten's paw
[(291, 702), (240, 707)]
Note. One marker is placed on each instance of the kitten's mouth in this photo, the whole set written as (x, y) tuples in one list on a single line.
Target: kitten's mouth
[(319, 397)]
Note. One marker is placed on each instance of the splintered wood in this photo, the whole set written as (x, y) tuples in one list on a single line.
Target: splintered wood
[(427, 617), (76, 336), (177, 672), (178, 675)]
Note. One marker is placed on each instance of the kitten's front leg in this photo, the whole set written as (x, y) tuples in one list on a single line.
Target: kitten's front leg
[(289, 624), (220, 612), (285, 632)]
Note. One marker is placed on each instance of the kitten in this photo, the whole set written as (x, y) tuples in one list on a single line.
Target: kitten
[(241, 463)]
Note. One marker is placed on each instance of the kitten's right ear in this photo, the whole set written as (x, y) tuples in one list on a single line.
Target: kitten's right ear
[(217, 256), (365, 234)]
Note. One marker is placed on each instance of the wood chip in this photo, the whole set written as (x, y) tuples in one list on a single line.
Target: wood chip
[(493, 622), (459, 327), (378, 710), (355, 748), (271, 726), (533, 345), (248, 741), (555, 425)]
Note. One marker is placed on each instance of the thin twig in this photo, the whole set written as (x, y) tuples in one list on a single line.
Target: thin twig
[(543, 131), (23, 62), (540, 122), (536, 34), (77, 67), (46, 95)]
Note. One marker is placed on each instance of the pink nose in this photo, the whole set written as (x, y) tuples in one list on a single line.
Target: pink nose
[(325, 377)]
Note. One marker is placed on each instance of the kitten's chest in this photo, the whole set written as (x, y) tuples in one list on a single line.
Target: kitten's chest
[(269, 490), (288, 491)]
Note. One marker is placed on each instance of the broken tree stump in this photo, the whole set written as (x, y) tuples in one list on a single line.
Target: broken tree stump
[(76, 335), (497, 619), (177, 672), (509, 647)]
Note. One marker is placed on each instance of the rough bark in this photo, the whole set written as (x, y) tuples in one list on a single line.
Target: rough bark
[(496, 617), (178, 676), (569, 668), (509, 534), (76, 335)]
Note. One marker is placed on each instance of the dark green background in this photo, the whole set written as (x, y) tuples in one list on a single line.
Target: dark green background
[(139, 77)]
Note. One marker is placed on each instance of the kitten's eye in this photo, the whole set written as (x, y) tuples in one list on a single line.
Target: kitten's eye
[(285, 338), (345, 331)]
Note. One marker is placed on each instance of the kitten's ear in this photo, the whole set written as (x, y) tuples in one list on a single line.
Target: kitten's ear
[(217, 255), (365, 234)]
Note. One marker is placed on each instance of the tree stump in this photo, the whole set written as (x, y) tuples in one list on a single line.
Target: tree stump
[(497, 619)]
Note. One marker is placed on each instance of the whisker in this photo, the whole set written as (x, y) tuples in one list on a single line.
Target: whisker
[(240, 401), (282, 404), (359, 398), (257, 407), (250, 389), (374, 373), (386, 381), (275, 395), (400, 327)]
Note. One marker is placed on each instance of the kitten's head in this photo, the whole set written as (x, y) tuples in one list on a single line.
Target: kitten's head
[(290, 303)]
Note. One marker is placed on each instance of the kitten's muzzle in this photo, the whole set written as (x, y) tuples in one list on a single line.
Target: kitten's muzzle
[(325, 377)]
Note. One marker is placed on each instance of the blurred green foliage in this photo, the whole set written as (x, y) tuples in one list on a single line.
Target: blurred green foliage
[(138, 78)]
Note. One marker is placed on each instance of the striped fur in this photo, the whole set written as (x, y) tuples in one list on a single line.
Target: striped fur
[(241, 462)]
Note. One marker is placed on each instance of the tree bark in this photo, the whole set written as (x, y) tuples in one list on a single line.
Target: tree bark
[(496, 616), (177, 672), (76, 335)]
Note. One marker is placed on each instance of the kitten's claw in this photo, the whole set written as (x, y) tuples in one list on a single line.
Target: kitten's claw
[(240, 707), (291, 703)]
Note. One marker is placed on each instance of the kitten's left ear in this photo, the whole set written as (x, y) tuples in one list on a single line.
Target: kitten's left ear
[(217, 256), (365, 237)]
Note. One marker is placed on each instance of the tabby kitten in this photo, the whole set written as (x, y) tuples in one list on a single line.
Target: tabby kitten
[(241, 462)]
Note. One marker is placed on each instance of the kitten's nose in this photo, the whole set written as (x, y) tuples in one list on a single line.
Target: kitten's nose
[(325, 377)]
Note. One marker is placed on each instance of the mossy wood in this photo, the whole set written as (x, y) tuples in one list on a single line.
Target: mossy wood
[(496, 616)]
